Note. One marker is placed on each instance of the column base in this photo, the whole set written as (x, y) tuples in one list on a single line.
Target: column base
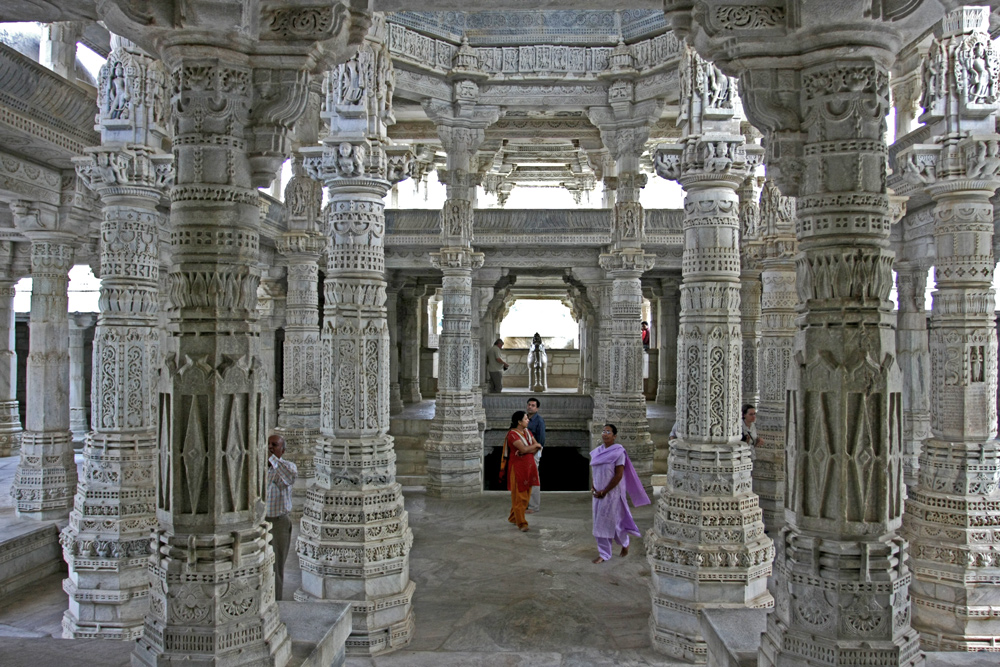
[(395, 399), (78, 424), (410, 391), (455, 474), (354, 541), (666, 393), (45, 480), (213, 613), (10, 429)]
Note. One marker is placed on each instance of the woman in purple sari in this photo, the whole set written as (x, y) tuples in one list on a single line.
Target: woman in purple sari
[(612, 520)]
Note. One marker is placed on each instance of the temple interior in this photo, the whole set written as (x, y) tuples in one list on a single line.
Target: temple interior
[(227, 220)]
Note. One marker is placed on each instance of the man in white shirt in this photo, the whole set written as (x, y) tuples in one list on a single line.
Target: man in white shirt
[(280, 478), (495, 366)]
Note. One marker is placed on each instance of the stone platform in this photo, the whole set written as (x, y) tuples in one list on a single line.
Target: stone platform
[(318, 631), (29, 550), (562, 411)]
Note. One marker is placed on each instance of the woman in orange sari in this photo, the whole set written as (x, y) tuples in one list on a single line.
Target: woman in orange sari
[(519, 464)]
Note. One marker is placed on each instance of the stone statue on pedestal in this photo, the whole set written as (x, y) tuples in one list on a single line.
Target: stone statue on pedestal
[(537, 363)]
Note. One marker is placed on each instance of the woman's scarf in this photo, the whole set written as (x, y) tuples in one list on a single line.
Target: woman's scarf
[(607, 456)]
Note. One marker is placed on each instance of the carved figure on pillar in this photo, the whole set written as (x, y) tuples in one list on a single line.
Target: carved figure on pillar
[(958, 483), (709, 467)]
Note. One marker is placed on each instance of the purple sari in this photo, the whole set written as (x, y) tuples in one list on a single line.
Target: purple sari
[(611, 514)]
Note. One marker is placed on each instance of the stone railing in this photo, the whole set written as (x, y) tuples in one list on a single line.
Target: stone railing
[(563, 369), (493, 227), (539, 60), (35, 101)]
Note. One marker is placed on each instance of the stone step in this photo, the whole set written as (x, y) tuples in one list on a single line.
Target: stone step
[(412, 480), (318, 631), (29, 551)]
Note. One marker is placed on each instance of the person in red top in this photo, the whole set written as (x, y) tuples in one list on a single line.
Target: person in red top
[(645, 335), (518, 462)]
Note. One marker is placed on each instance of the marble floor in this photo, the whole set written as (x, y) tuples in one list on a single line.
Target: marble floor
[(487, 594)]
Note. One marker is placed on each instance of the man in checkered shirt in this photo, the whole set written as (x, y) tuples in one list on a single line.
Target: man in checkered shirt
[(280, 478)]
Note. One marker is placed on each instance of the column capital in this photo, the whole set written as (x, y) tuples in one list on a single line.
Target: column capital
[(625, 129), (129, 170), (456, 260)]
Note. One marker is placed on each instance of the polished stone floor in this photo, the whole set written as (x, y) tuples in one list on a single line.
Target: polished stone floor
[(486, 593)]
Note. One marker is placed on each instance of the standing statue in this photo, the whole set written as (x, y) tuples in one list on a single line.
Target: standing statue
[(537, 365)]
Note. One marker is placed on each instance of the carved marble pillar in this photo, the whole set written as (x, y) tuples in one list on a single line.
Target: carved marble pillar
[(586, 384), (212, 596), (392, 320), (483, 333), (914, 361), (599, 335), (455, 446), (955, 559), (106, 544), (270, 318), (844, 490), (778, 302), (355, 539), (750, 286), (667, 328), (411, 317), (45, 480), (299, 408), (624, 130), (626, 405), (696, 564), (10, 420), (77, 388)]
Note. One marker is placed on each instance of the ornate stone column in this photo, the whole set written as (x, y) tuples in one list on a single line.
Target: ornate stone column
[(10, 420), (844, 490), (355, 539), (599, 336), (106, 544), (956, 590), (77, 389), (212, 594), (392, 309), (45, 480), (667, 314), (301, 246), (454, 446), (238, 81), (914, 360), (411, 316), (778, 302), (750, 285), (624, 128), (695, 563)]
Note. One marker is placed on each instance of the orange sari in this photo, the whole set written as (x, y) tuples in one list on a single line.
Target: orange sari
[(522, 474)]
